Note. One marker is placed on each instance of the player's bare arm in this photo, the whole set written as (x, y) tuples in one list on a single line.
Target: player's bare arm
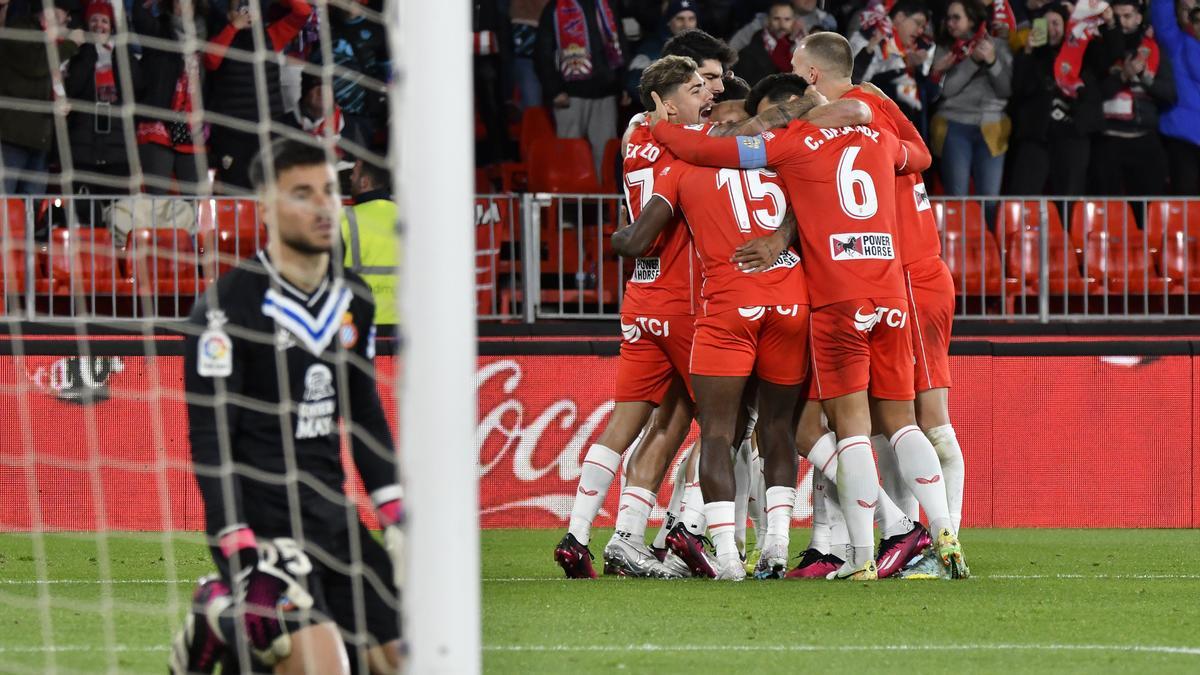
[(813, 108), (760, 253), (636, 239)]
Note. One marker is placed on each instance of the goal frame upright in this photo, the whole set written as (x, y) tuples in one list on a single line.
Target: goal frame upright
[(431, 123)]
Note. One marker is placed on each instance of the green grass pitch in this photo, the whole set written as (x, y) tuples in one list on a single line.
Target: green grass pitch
[(1041, 600)]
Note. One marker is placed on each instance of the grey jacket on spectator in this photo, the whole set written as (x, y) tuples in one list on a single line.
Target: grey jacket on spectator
[(974, 94)]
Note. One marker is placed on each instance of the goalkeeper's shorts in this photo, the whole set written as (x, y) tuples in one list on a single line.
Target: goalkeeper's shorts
[(329, 578)]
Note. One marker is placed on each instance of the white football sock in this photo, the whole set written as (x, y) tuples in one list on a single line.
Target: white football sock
[(720, 518), (741, 499), (675, 506), (596, 475), (891, 519), (945, 443), (839, 536), (693, 504), (893, 481), (820, 518), (633, 511), (758, 497), (781, 499), (922, 471), (858, 487)]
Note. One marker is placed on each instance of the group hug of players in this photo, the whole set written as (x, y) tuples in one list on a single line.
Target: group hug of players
[(821, 328)]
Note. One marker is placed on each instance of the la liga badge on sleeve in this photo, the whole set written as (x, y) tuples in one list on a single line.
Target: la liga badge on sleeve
[(215, 357)]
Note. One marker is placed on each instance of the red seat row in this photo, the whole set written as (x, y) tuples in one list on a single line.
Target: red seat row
[(152, 261), (1107, 253)]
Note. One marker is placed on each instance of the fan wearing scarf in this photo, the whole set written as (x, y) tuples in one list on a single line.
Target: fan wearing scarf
[(1052, 131), (888, 53), (99, 78), (1130, 158), (580, 60)]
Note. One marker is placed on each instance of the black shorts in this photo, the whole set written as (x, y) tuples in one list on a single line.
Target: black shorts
[(360, 599)]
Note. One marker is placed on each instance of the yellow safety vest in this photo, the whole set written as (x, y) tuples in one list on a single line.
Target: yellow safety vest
[(370, 232)]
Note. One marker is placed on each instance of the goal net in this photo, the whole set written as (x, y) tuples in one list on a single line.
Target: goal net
[(128, 134)]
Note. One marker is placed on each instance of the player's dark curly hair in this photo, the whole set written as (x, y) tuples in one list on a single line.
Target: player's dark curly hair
[(775, 88), (736, 89), (284, 154), (700, 47)]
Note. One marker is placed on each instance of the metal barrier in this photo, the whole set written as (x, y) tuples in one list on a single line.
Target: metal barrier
[(1040, 258), (548, 256), (499, 251), (142, 257)]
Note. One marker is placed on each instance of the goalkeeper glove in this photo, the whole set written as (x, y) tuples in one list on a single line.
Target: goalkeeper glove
[(264, 592), (391, 517)]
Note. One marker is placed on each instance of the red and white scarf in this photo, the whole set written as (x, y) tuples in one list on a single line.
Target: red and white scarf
[(1084, 25), (780, 50), (1120, 105), (574, 45), (1002, 13)]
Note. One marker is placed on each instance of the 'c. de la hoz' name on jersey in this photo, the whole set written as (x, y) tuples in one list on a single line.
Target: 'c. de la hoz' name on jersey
[(815, 140)]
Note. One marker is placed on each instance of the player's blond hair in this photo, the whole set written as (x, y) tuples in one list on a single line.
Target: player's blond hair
[(832, 51), (664, 76)]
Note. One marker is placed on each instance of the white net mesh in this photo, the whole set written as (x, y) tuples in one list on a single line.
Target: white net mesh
[(127, 133)]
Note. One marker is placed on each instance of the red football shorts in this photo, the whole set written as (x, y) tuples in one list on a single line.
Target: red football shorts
[(931, 296), (863, 345), (771, 341), (654, 349)]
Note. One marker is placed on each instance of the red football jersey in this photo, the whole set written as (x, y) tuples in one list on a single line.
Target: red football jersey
[(842, 183), (723, 209), (918, 236), (664, 281)]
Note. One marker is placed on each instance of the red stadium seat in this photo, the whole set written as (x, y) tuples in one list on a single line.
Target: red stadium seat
[(13, 249), (609, 180), (1179, 261), (536, 125), (82, 261), (965, 217), (163, 262), (1114, 217), (1166, 217), (1121, 264), (229, 231), (1026, 215), (974, 262), (562, 165), (1024, 259)]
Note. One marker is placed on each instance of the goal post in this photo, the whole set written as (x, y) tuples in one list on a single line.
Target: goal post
[(431, 124)]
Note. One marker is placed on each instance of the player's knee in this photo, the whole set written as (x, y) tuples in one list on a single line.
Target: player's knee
[(316, 649), (931, 409), (385, 659), (625, 424)]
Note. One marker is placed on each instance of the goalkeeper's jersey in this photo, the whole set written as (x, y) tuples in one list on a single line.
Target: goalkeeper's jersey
[(262, 335)]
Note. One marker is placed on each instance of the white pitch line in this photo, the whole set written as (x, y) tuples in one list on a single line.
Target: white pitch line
[(792, 648), (62, 649), (1151, 649), (82, 582), (555, 580), (1065, 577)]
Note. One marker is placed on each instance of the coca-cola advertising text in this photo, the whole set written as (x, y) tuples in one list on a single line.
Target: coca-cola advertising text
[(1049, 441)]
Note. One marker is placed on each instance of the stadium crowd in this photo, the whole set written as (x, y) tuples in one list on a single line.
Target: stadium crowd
[(241, 67), (1034, 97)]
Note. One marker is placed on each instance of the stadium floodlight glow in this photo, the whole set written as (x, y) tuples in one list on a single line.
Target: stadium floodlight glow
[(441, 601)]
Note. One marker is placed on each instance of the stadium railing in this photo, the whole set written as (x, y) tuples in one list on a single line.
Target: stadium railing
[(1025, 259)]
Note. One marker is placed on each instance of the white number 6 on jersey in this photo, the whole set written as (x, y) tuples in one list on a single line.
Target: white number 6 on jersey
[(860, 203)]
